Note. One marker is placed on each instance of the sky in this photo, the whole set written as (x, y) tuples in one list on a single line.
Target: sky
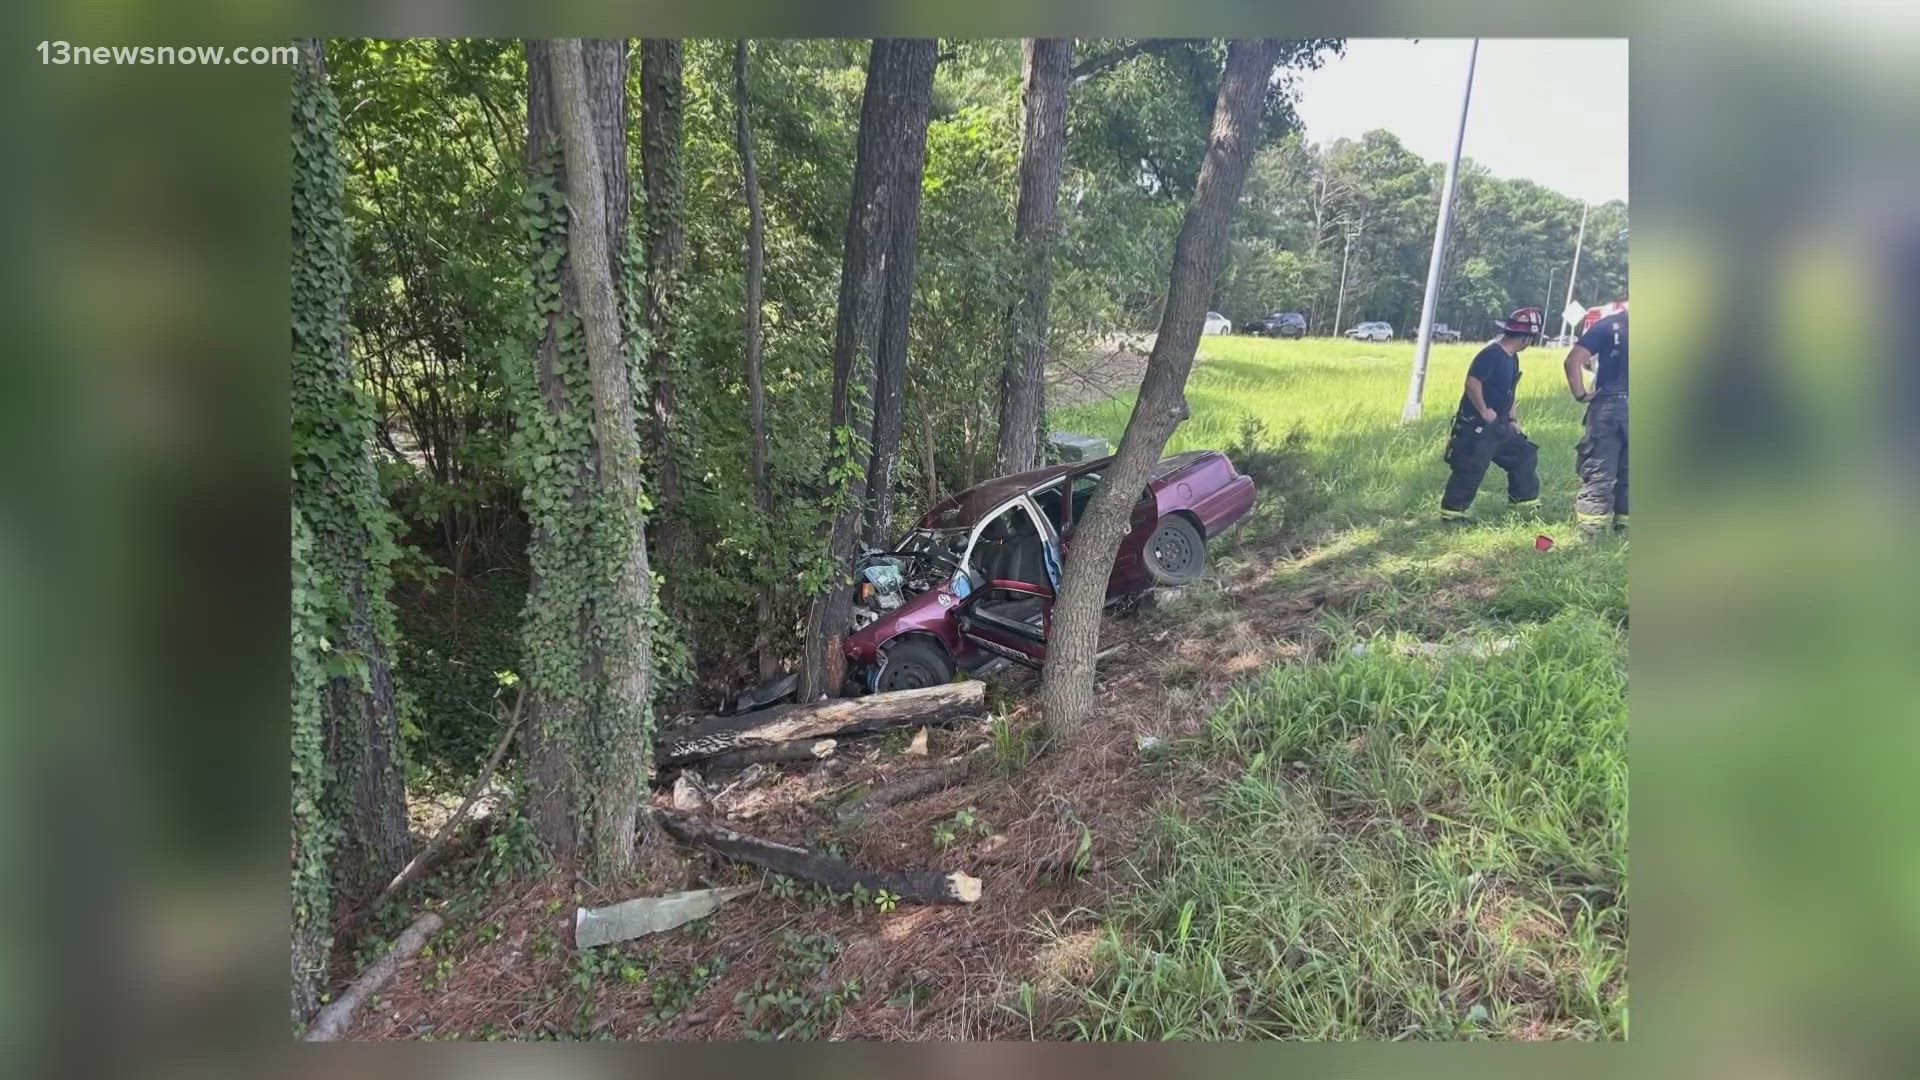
[(1552, 110)]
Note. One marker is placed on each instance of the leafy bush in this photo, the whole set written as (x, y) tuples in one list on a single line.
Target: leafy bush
[(1282, 472)]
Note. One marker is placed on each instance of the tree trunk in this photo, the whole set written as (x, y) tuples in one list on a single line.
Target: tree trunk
[(890, 354), (756, 388), (947, 703), (337, 491), (584, 98), (1036, 222), (1067, 681), (556, 706), (660, 111), (875, 183), (311, 929)]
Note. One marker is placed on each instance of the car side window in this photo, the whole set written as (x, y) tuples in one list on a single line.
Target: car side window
[(1084, 486), (1050, 501)]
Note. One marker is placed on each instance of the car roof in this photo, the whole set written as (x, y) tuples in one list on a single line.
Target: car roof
[(966, 508)]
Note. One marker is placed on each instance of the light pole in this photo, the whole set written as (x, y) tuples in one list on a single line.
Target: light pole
[(1417, 383), (1340, 298), (1575, 272), (1548, 302)]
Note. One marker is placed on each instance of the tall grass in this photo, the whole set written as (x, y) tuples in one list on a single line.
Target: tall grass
[(1348, 396), (1423, 833)]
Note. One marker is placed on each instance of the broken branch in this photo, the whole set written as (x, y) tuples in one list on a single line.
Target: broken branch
[(925, 782), (774, 754), (424, 858), (334, 1020), (927, 886)]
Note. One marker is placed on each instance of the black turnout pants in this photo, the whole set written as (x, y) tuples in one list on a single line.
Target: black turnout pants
[(1602, 459), (1474, 446)]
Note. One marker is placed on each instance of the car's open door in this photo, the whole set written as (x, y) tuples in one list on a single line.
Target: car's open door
[(1009, 619), (1013, 566)]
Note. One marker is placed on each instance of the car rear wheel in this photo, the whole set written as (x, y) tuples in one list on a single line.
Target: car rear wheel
[(1176, 552), (913, 664)]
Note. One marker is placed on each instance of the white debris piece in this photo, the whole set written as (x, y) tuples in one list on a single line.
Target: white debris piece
[(648, 915)]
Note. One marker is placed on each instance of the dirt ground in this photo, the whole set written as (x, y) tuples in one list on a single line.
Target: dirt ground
[(1049, 842)]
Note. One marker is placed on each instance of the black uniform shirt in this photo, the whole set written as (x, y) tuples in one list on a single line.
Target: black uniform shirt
[(1498, 371), (1608, 341)]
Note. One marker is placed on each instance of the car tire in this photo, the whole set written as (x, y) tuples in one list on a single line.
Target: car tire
[(1176, 553), (913, 664)]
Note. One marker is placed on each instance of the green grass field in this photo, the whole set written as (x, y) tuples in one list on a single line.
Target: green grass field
[(1418, 831)]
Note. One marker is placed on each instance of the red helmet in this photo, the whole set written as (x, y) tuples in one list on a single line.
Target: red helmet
[(1527, 320)]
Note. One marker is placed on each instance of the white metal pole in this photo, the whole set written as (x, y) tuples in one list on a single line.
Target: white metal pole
[(1340, 298), (1546, 302), (1416, 386), (1575, 272)]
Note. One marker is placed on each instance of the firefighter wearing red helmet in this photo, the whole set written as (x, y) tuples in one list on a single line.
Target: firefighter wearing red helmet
[(1602, 454), (1486, 431)]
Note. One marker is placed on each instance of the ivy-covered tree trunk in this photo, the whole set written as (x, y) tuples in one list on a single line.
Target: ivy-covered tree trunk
[(884, 110), (622, 761), (660, 131), (337, 492), (917, 57), (1043, 150), (590, 611), (314, 832), (756, 255), (1066, 687)]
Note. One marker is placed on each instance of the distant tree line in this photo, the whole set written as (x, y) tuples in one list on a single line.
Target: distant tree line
[(1371, 204)]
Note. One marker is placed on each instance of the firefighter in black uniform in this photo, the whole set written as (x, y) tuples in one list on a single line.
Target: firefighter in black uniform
[(1603, 452), (1485, 432)]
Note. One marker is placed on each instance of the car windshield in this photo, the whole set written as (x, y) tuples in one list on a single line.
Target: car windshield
[(939, 541)]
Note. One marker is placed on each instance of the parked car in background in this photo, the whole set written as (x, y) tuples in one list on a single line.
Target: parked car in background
[(974, 579), (1371, 331), (1443, 332), (1281, 324), (1217, 324)]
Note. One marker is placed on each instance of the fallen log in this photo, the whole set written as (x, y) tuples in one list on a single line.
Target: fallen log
[(774, 754), (927, 886), (924, 782), (944, 704), (334, 1020)]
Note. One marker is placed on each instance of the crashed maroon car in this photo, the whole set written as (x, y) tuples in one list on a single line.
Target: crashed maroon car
[(974, 579)]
